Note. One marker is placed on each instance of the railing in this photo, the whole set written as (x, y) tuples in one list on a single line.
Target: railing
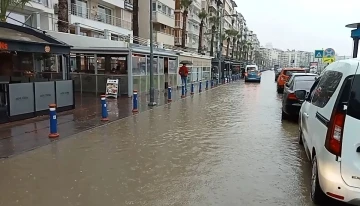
[(178, 23), (43, 2), (95, 15), (194, 17)]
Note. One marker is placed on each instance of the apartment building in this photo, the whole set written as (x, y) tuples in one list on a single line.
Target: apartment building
[(95, 18), (163, 21), (108, 19)]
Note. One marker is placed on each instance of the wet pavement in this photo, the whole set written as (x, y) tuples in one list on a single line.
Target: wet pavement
[(226, 146), (20, 136)]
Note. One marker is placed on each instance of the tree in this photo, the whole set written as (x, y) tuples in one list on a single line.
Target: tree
[(185, 5), (230, 33), (214, 21), (5, 4), (135, 21), (238, 48), (202, 15), (235, 36), (63, 16)]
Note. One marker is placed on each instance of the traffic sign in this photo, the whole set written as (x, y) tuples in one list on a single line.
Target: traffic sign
[(319, 53), (329, 52), (329, 59)]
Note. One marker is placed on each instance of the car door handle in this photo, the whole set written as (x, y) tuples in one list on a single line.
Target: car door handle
[(306, 114)]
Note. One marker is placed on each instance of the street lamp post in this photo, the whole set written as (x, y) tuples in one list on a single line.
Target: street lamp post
[(152, 89), (220, 43), (355, 35)]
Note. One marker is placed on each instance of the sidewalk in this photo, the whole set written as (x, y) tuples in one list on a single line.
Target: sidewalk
[(21, 136)]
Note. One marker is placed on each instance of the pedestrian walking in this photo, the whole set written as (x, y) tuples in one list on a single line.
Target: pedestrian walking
[(183, 72)]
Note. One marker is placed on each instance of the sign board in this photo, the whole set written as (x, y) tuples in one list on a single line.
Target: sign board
[(112, 88), (319, 53), (329, 55), (21, 98), (313, 67), (64, 93), (44, 95)]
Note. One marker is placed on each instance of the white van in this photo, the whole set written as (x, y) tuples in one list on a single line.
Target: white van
[(329, 129)]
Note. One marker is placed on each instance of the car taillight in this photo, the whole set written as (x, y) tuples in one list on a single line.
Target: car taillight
[(292, 96), (335, 132)]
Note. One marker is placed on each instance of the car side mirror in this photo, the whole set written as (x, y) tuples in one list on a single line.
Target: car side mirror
[(301, 95)]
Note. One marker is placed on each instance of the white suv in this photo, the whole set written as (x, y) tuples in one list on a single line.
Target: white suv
[(329, 129)]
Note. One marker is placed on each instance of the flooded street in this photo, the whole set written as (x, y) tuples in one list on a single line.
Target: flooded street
[(226, 146)]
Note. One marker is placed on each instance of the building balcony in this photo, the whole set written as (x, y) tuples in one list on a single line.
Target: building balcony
[(178, 24), (197, 4), (160, 17), (194, 18), (92, 19), (164, 38), (212, 4), (39, 5)]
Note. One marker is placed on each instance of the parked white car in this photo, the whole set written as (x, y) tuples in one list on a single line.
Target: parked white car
[(329, 129)]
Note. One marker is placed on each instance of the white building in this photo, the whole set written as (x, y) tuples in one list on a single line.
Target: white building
[(163, 21), (94, 18)]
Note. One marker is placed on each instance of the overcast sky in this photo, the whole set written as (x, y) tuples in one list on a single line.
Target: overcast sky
[(302, 24)]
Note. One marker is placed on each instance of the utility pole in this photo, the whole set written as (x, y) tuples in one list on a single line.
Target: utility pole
[(152, 89), (220, 39)]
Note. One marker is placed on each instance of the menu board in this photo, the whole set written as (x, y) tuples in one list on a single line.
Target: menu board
[(112, 88)]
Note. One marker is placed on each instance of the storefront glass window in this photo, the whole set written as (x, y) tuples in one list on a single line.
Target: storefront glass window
[(161, 65), (138, 65), (172, 66)]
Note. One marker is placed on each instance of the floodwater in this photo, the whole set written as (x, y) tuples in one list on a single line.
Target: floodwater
[(226, 146)]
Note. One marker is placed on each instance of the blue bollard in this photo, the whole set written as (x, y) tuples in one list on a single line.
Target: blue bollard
[(135, 102), (207, 85), (169, 94), (53, 121), (104, 112), (192, 88), (200, 85), (183, 91)]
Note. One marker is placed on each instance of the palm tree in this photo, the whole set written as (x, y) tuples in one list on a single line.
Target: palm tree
[(230, 33), (63, 16), (202, 15), (235, 36), (4, 6), (185, 5), (214, 21), (135, 21), (238, 48)]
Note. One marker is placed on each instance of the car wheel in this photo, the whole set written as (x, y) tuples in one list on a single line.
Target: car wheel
[(283, 115), (317, 195)]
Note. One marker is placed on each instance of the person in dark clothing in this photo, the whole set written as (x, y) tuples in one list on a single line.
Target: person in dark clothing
[(183, 72)]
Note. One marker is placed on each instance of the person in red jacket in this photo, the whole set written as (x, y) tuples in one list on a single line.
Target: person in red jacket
[(183, 72)]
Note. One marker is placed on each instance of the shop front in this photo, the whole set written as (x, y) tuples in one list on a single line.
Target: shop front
[(165, 67), (199, 70), (25, 88)]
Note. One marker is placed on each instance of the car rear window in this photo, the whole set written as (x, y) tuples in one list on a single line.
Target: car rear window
[(305, 77), (290, 72), (326, 88), (304, 84), (354, 101)]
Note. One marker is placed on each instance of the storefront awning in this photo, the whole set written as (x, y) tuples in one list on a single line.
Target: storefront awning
[(25, 39)]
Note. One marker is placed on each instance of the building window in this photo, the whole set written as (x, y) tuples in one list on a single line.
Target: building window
[(104, 14), (154, 6)]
